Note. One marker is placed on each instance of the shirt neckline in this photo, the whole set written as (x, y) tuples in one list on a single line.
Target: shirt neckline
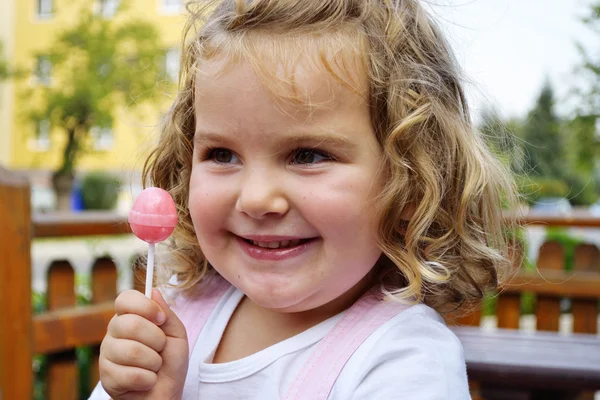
[(244, 367)]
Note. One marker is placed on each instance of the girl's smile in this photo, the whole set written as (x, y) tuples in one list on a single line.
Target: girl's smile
[(282, 193), (276, 248)]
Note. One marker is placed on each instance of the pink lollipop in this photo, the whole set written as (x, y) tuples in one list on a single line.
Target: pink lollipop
[(152, 218)]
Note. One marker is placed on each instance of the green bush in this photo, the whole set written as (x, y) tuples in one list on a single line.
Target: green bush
[(100, 191), (582, 190), (532, 189)]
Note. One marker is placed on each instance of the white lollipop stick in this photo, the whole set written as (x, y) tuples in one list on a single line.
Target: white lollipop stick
[(150, 270)]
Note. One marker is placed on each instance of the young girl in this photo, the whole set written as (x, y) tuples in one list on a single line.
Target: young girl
[(333, 199)]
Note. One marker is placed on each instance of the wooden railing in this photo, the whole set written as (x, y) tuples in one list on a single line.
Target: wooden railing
[(64, 327), (551, 284)]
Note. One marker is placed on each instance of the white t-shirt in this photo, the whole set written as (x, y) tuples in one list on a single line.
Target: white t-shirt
[(413, 356)]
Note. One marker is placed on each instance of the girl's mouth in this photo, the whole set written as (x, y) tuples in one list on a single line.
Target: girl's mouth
[(283, 244), (267, 249)]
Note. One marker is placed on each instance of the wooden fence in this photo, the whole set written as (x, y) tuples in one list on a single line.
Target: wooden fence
[(551, 283), (64, 327)]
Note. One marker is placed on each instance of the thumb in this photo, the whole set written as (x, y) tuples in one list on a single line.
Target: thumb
[(172, 326), (172, 373)]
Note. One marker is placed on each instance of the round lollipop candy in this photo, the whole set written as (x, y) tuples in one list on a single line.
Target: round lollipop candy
[(152, 219)]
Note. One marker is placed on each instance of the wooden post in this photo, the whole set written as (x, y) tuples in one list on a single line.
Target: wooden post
[(104, 288), (62, 367), (551, 257), (585, 311), (508, 310), (508, 307), (16, 376)]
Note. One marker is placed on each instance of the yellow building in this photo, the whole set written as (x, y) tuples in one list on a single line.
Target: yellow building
[(27, 27), (6, 88)]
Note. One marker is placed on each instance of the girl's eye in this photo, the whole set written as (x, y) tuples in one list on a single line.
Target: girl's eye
[(221, 156), (310, 156)]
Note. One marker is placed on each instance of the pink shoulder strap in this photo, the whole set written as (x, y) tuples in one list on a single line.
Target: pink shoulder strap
[(315, 380), (194, 312)]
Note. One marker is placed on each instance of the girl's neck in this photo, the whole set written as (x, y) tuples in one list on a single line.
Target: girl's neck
[(253, 328)]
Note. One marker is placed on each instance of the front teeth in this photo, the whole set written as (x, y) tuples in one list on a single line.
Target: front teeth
[(276, 245)]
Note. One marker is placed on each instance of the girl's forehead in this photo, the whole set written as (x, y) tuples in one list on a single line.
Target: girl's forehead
[(301, 95), (294, 69)]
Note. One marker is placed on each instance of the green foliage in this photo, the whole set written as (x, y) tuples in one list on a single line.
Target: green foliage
[(583, 142), (588, 71), (579, 190), (528, 303), (543, 142), (84, 361), (532, 188), (582, 189), (99, 64), (100, 191), (4, 73), (503, 138)]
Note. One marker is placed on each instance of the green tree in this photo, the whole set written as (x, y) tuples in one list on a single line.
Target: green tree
[(99, 64), (503, 137), (589, 70), (583, 143), (543, 141), (4, 73)]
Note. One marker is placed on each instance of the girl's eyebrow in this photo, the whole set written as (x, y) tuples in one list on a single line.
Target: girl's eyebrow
[(310, 139)]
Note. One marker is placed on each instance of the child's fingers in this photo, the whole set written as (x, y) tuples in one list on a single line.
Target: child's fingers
[(172, 326), (132, 354), (135, 327), (118, 380), (134, 302)]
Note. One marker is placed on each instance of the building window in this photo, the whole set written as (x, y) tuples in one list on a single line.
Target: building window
[(103, 138), (43, 70), (172, 6), (106, 8), (44, 8), (41, 141), (172, 57)]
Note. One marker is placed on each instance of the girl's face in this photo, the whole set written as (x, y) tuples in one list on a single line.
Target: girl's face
[(282, 195)]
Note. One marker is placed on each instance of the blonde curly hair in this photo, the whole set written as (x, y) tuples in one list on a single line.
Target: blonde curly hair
[(441, 229)]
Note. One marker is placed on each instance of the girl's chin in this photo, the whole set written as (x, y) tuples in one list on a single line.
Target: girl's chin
[(278, 299)]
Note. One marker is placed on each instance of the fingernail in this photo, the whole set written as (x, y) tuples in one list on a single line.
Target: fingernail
[(160, 317)]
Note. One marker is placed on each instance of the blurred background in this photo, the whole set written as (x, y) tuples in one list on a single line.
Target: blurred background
[(83, 84)]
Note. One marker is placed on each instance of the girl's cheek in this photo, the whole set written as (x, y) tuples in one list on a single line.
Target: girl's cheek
[(208, 199)]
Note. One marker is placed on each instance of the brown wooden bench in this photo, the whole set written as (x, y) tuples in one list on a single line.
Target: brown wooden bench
[(511, 364), (514, 365)]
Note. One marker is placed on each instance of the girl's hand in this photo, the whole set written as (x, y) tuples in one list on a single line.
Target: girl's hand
[(144, 354)]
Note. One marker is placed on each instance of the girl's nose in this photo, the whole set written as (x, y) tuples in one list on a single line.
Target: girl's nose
[(261, 195)]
